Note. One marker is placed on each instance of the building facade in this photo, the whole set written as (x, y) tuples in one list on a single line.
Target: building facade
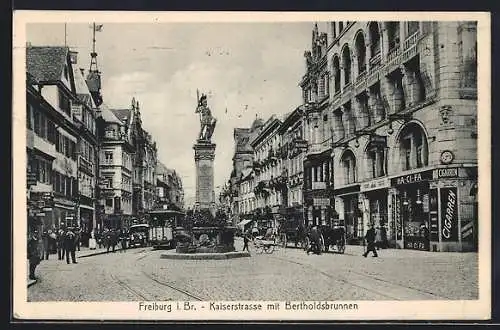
[(84, 114), (268, 169), (318, 132), (115, 166), (169, 190), (294, 148), (247, 200), (52, 137), (404, 107), (242, 159)]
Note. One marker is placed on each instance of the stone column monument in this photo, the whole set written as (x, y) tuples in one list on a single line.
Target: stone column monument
[(204, 155)]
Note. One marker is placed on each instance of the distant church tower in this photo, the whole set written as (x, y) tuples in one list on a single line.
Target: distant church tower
[(94, 77)]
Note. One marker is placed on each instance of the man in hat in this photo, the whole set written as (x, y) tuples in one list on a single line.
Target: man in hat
[(370, 242), (34, 253), (70, 245)]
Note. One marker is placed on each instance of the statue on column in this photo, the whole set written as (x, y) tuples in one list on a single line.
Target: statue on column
[(207, 121)]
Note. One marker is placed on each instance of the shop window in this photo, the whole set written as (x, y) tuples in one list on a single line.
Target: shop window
[(346, 63), (361, 53), (414, 147)]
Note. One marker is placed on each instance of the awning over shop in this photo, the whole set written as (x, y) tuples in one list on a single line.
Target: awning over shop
[(243, 223)]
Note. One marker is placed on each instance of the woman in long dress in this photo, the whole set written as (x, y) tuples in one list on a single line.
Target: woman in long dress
[(92, 241)]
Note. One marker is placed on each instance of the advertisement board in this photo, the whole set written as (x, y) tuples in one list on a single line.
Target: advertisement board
[(449, 219)]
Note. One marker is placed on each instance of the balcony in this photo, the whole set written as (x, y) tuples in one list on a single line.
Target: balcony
[(317, 148)]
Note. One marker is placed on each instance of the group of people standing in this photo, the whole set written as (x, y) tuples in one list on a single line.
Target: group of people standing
[(63, 242)]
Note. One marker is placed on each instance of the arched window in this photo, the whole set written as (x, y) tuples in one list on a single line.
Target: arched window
[(348, 163), (374, 39), (376, 152), (361, 53), (414, 151), (336, 74), (346, 63)]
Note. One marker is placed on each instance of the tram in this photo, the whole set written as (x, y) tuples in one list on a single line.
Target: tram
[(162, 224)]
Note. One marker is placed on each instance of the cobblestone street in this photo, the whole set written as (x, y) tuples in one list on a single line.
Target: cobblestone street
[(287, 274)]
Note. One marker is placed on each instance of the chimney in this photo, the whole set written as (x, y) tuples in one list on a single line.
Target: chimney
[(73, 56)]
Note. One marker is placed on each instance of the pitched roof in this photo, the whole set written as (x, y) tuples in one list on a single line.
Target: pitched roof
[(109, 117), (46, 63), (122, 114)]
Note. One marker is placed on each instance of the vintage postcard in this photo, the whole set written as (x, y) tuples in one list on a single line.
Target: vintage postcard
[(251, 166)]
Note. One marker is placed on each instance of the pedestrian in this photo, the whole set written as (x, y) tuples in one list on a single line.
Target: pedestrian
[(78, 237), (92, 240), (70, 245), (378, 238), (383, 235), (370, 241), (46, 244), (314, 238), (246, 239), (60, 244), (123, 239), (34, 254)]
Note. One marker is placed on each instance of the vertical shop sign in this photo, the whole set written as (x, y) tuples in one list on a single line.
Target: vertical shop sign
[(433, 215), (449, 221), (397, 215)]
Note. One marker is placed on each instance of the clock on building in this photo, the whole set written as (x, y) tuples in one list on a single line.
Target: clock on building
[(447, 157)]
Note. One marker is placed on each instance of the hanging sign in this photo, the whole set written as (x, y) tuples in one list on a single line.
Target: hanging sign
[(449, 219)]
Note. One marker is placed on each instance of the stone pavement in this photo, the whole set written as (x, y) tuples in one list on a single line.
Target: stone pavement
[(83, 253)]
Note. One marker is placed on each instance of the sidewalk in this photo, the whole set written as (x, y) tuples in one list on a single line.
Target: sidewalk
[(83, 253)]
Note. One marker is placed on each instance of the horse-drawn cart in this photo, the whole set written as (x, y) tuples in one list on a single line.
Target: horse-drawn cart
[(334, 237), (264, 245)]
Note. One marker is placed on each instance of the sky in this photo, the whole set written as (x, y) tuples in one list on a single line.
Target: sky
[(250, 69)]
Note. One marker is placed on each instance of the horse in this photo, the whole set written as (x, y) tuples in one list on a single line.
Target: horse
[(334, 237)]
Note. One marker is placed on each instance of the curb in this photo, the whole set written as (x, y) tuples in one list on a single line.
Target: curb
[(204, 256), (94, 254)]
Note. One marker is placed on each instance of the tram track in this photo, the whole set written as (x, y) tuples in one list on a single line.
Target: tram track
[(389, 286), (135, 284)]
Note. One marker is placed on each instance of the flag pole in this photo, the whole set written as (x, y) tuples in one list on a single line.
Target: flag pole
[(65, 34)]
